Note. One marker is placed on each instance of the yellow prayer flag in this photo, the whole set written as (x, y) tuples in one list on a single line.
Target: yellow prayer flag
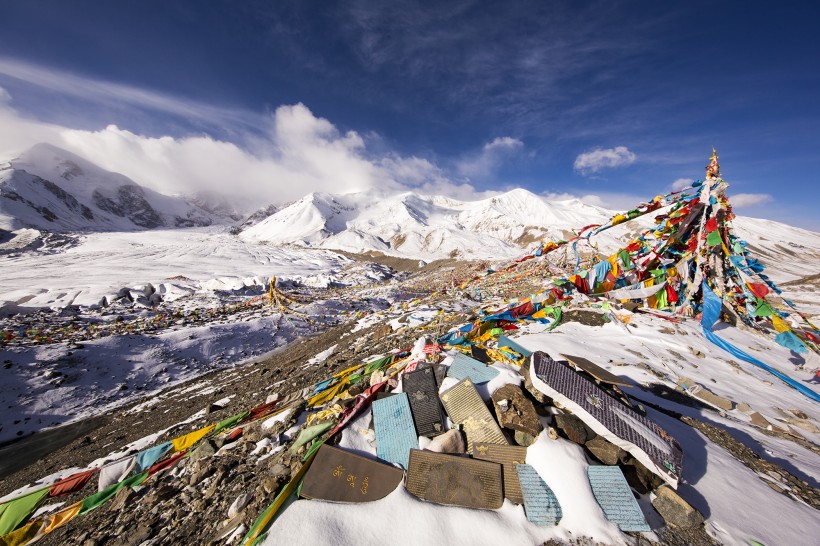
[(184, 442)]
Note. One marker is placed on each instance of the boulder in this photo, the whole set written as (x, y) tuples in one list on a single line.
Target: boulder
[(606, 452), (573, 427), (515, 411), (674, 510)]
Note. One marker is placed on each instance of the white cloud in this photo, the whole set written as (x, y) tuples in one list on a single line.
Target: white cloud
[(503, 143), (750, 199), (298, 154), (600, 158), (682, 184), (4, 96), (486, 162)]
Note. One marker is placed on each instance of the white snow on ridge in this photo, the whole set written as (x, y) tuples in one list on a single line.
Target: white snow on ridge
[(421, 226)]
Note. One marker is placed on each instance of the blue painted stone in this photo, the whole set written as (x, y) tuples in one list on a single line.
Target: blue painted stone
[(395, 432), (464, 367), (540, 503), (615, 498)]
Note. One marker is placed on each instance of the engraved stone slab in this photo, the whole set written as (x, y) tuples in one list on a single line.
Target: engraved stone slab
[(465, 407), (422, 391), (456, 481), (463, 367), (504, 341), (540, 503), (596, 371), (609, 417), (615, 498), (515, 411), (395, 432), (340, 476), (509, 457)]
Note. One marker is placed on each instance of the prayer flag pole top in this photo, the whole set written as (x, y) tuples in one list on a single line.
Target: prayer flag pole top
[(713, 168)]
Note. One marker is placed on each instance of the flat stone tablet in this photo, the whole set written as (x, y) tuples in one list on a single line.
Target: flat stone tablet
[(596, 371), (504, 341), (609, 417), (509, 457), (463, 367), (455, 481), (340, 476), (540, 503), (422, 392), (615, 498), (465, 407), (395, 432)]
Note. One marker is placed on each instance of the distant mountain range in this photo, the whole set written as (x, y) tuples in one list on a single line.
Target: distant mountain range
[(54, 190), (424, 226)]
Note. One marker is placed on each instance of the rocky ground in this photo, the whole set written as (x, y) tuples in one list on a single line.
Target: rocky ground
[(203, 499)]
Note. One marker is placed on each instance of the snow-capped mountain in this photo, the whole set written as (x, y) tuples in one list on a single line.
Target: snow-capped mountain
[(53, 189), (422, 226)]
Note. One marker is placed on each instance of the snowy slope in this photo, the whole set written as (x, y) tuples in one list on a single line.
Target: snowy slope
[(421, 226), (50, 188)]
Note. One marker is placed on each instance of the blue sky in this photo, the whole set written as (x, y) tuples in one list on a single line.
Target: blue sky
[(612, 101)]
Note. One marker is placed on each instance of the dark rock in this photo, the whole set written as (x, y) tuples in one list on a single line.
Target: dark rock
[(515, 411), (604, 451), (573, 427), (638, 476), (674, 510)]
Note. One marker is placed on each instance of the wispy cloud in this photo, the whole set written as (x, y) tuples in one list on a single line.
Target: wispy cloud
[(748, 200), (603, 158), (100, 92)]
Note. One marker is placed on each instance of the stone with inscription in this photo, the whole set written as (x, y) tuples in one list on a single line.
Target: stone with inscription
[(465, 407), (615, 498), (540, 503), (340, 476), (455, 481), (464, 367), (608, 416), (509, 457), (422, 392), (395, 432)]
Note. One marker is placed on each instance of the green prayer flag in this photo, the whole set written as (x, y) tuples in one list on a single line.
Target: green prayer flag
[(763, 309), (713, 238), (16, 511), (309, 433), (230, 422), (97, 499)]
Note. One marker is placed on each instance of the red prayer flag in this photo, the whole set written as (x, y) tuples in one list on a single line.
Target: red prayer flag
[(759, 289), (72, 483)]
